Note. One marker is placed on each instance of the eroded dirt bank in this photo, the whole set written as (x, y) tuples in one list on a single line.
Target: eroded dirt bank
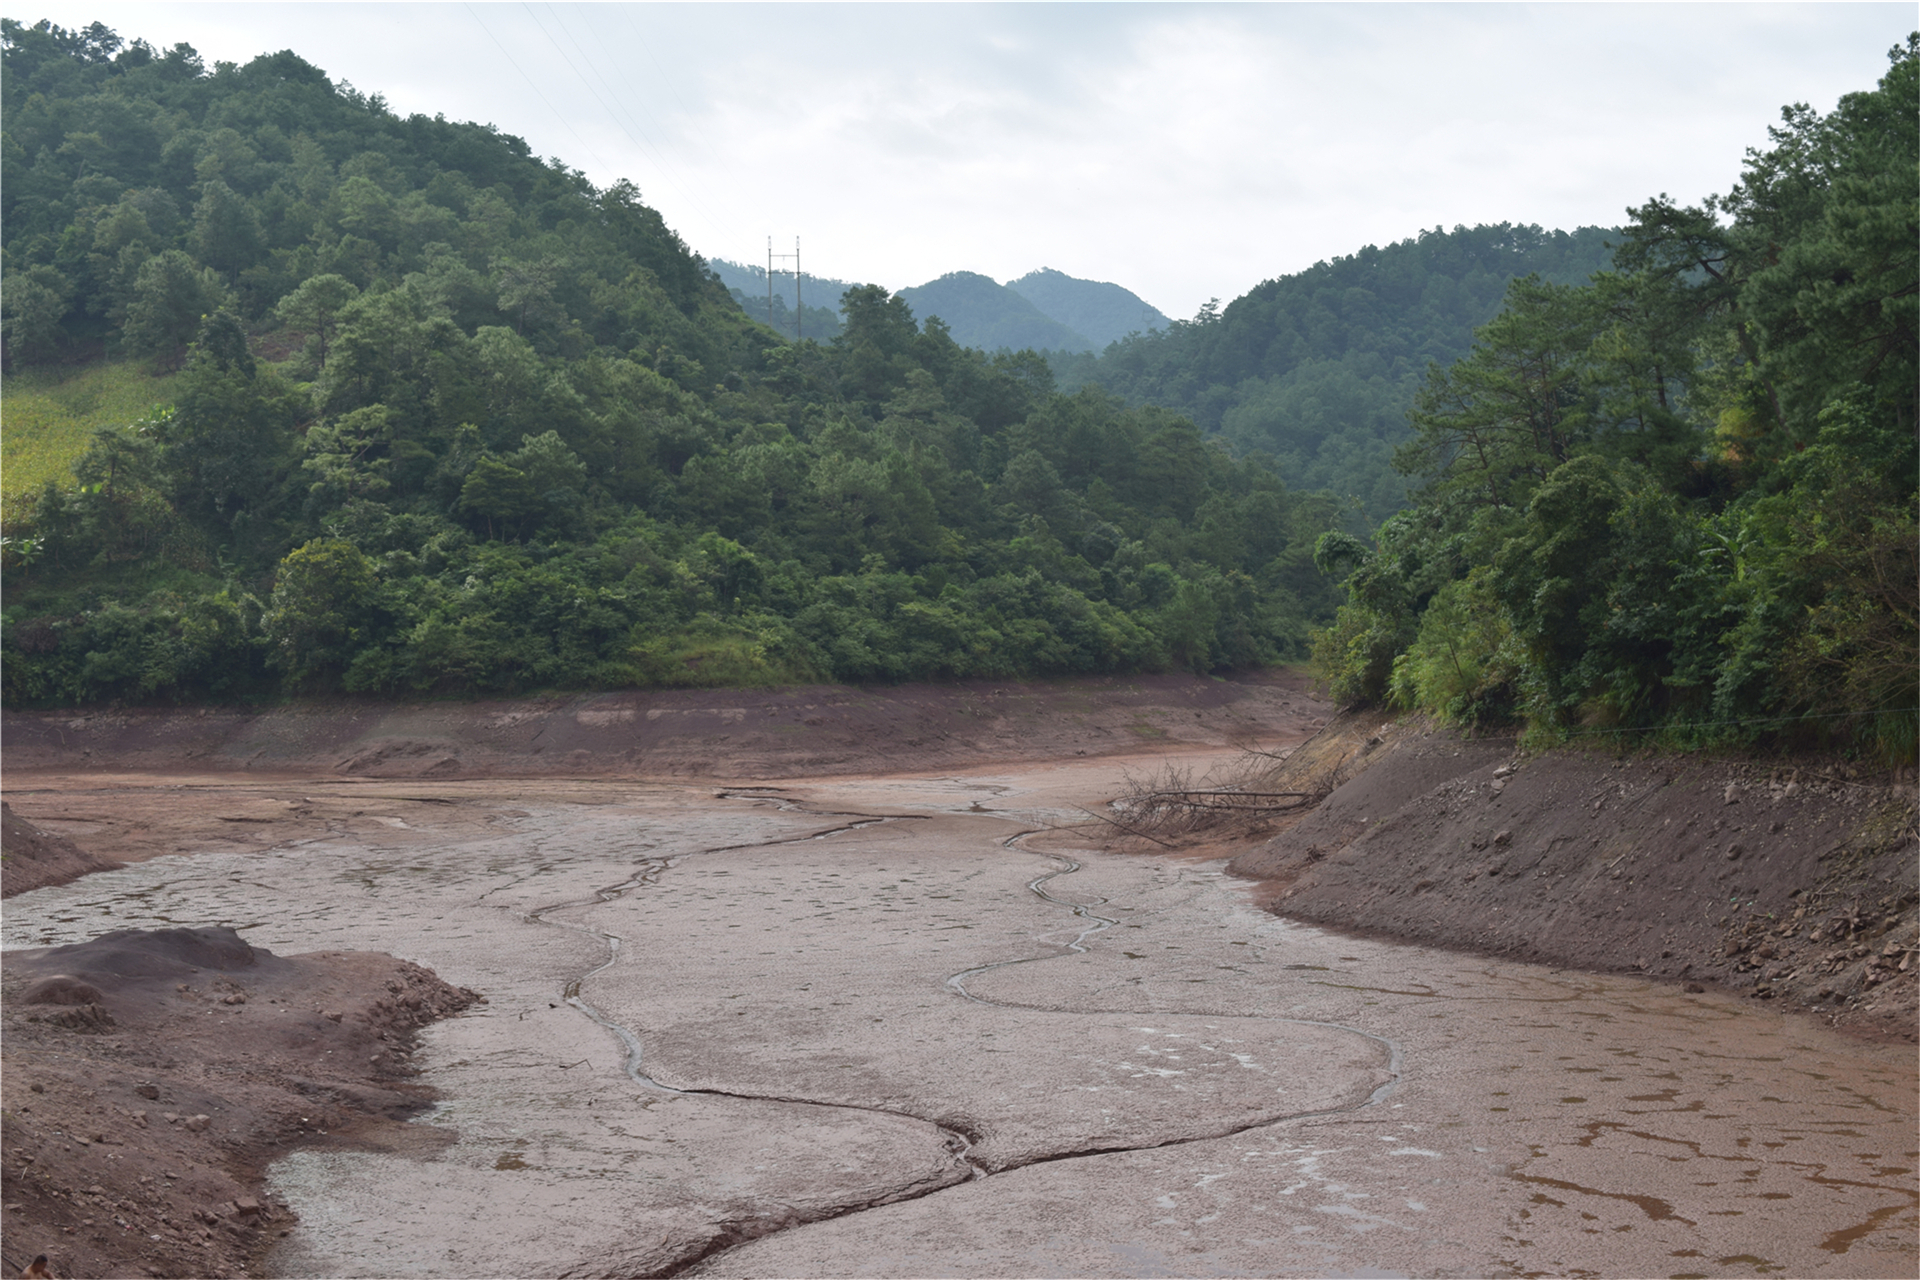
[(31, 858), (718, 733), (1777, 882), (152, 1075)]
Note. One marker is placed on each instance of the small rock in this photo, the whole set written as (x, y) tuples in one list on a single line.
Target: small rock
[(246, 1207), (151, 1092), (1503, 837), (332, 1015), (1501, 771), (1734, 851), (37, 1087), (1733, 793), (197, 1124), (238, 997), (1694, 989)]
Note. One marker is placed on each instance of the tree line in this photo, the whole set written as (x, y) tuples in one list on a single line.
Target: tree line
[(1678, 502), (450, 419)]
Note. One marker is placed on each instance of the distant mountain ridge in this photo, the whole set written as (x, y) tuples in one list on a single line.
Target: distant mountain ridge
[(1045, 309), (980, 312)]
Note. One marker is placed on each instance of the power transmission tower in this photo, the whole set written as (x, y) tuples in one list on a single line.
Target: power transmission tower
[(799, 316)]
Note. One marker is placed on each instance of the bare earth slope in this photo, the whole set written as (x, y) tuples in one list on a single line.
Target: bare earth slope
[(1782, 883), (152, 1075), (31, 858), (721, 733)]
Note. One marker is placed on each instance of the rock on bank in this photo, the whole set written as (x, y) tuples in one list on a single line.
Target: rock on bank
[(1783, 882)]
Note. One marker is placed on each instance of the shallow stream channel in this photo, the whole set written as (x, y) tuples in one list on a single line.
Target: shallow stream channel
[(926, 1027)]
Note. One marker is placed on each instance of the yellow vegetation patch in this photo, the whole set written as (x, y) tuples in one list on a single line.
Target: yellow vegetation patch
[(47, 416)]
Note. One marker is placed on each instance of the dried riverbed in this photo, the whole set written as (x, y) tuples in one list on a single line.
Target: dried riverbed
[(890, 1026)]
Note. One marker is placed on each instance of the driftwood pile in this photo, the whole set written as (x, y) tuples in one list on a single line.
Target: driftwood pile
[(1173, 803)]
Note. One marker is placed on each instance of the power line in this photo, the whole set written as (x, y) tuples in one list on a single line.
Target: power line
[(693, 120), (532, 84), (644, 142), (667, 167)]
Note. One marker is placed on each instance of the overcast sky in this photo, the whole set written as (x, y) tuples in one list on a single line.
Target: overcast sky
[(1185, 151)]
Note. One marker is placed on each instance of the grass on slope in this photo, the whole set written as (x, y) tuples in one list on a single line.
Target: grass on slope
[(48, 416)]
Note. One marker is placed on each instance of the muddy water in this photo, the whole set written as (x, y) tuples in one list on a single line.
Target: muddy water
[(763, 1033)]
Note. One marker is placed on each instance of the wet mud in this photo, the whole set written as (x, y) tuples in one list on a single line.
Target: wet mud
[(926, 1026)]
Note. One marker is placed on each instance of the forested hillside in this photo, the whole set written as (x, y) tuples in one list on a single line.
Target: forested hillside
[(1679, 502), (449, 418), (1318, 369)]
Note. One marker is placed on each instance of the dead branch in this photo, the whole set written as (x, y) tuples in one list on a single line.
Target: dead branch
[(1115, 822)]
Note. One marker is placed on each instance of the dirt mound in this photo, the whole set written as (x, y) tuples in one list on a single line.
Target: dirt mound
[(1786, 883), (33, 859), (151, 1077), (116, 960), (719, 733)]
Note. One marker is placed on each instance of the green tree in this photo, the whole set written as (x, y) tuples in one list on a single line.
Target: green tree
[(226, 230), (171, 295), (36, 301), (1494, 424), (315, 307), (319, 615)]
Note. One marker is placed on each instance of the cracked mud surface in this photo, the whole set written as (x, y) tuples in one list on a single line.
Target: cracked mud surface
[(755, 1032)]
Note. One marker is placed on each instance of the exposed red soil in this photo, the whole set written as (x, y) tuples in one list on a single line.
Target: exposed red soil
[(31, 858), (152, 1076)]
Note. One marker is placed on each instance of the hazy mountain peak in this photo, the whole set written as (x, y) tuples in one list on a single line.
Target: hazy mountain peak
[(1102, 311), (981, 312)]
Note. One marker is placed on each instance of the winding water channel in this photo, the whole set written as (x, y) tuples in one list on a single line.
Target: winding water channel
[(894, 1027)]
